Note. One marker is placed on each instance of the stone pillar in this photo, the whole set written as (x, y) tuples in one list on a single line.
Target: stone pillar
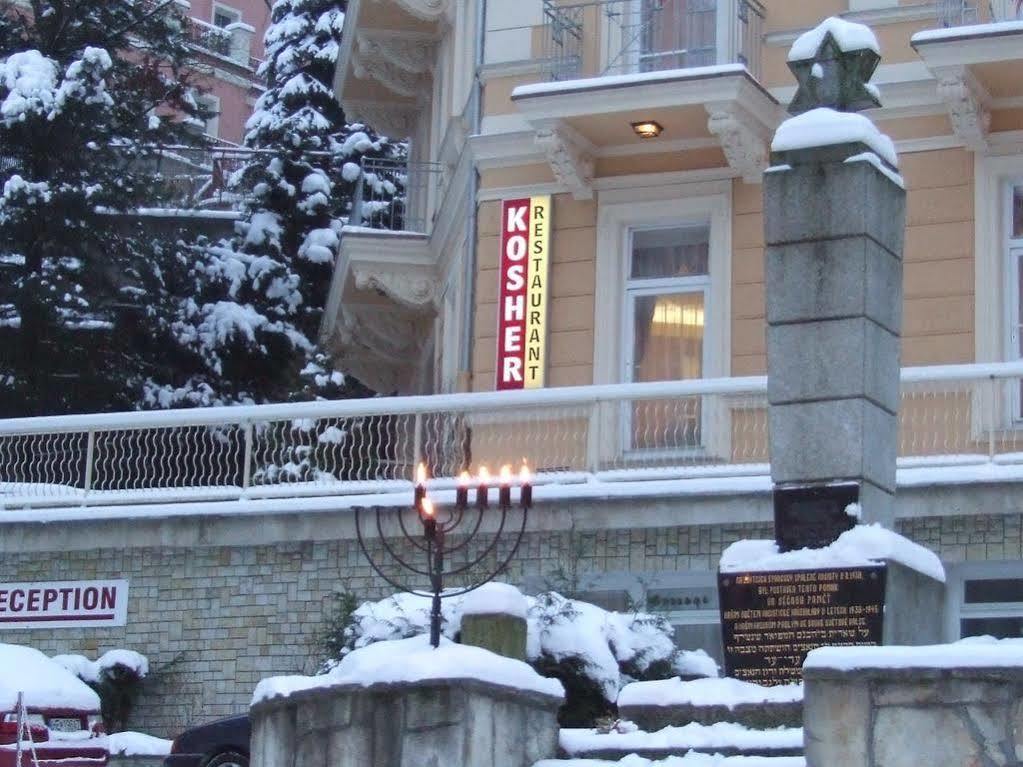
[(834, 233), (241, 41), (494, 618)]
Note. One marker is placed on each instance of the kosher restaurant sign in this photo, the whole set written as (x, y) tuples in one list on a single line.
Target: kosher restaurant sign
[(522, 302), (63, 604)]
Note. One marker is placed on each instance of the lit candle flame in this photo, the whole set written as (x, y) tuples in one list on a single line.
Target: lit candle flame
[(428, 507), (464, 478), (506, 474), (484, 475), (524, 475), (421, 474)]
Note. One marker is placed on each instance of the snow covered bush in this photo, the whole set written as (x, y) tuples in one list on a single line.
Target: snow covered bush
[(592, 651), (116, 676)]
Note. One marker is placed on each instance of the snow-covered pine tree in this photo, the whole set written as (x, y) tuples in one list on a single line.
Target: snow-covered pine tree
[(255, 306), (81, 85)]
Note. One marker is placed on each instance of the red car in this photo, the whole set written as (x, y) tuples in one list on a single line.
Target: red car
[(60, 719)]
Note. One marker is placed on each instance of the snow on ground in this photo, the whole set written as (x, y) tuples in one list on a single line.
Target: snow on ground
[(414, 660), (848, 35), (692, 759), (973, 652), (46, 684), (721, 735), (862, 546), (135, 744), (725, 691), (825, 127)]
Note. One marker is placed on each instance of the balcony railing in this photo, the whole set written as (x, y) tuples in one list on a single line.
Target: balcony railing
[(209, 37), (631, 36), (950, 416), (395, 195), (958, 13)]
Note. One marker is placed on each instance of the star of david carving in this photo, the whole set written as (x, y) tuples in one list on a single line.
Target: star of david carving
[(834, 78)]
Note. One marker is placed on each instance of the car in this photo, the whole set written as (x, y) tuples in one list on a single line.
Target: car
[(221, 743), (58, 712)]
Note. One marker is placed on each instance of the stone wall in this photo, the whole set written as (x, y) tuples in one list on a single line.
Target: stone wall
[(217, 603)]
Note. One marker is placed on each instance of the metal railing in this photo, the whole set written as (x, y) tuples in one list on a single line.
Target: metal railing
[(395, 194), (631, 36), (951, 415), (209, 37)]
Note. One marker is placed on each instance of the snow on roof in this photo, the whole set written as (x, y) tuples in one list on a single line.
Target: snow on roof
[(721, 735), (848, 35), (414, 660), (972, 652), (614, 81), (46, 684), (725, 691), (862, 546), (692, 759), (992, 29), (495, 597), (824, 127)]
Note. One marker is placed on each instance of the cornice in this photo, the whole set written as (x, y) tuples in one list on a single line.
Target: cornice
[(570, 157), (968, 106)]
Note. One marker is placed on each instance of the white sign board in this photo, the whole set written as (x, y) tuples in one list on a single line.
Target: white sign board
[(63, 604)]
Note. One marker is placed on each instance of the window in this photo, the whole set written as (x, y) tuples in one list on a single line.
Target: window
[(212, 103), (224, 16), (663, 277), (666, 296), (989, 600), (677, 33)]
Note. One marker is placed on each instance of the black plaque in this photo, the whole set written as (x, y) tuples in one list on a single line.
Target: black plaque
[(812, 517), (771, 620)]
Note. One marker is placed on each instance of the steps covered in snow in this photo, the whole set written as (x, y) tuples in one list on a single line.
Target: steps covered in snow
[(689, 760)]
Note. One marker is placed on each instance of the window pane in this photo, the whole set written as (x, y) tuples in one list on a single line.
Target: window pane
[(667, 346), (994, 590), (679, 252), (677, 33), (1001, 628), (1017, 212)]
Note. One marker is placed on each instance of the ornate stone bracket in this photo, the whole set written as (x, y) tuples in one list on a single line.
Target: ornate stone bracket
[(968, 106), (570, 159), (742, 140), (409, 286), (427, 10), (412, 53), (393, 77), (394, 120)]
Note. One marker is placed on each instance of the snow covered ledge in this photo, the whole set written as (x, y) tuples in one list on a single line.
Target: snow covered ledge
[(405, 703), (956, 704)]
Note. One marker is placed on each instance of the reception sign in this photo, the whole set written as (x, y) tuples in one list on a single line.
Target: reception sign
[(63, 604), (522, 302)]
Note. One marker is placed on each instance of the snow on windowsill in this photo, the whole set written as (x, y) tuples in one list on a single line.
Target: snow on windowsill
[(848, 35), (721, 735), (826, 127), (991, 29), (863, 546), (973, 652), (639, 78), (414, 660), (725, 691)]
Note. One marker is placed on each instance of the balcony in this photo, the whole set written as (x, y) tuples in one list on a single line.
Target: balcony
[(613, 37), (232, 43), (383, 295), (975, 55), (957, 424)]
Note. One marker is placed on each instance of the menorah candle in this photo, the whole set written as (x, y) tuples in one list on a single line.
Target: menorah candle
[(420, 494), (427, 515), (482, 488), (462, 493), (504, 494), (526, 490)]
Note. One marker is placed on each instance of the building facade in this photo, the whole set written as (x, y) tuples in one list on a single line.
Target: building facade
[(619, 145)]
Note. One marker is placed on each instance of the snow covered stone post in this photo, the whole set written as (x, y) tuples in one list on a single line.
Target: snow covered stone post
[(834, 221), (494, 618)]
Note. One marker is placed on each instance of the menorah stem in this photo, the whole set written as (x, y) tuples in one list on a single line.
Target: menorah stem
[(436, 582)]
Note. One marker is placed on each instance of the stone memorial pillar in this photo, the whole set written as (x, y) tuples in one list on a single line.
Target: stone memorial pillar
[(834, 223)]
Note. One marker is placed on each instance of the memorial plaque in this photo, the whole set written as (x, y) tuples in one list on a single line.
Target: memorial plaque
[(812, 517), (771, 620)]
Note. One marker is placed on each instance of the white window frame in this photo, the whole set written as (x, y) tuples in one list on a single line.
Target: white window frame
[(619, 213), (956, 607), (612, 41), (1013, 254), (226, 9)]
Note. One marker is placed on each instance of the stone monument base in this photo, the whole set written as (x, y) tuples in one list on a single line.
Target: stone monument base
[(435, 723)]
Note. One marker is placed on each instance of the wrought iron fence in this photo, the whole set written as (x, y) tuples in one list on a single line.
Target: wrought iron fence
[(395, 194), (966, 414), (209, 37), (956, 13), (628, 36)]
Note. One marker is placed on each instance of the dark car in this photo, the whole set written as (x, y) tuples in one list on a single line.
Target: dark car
[(223, 743)]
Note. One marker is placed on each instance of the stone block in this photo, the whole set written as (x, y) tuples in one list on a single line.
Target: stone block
[(847, 277), (833, 199), (835, 440), (273, 738), (833, 359), (877, 505), (756, 716), (914, 607), (836, 723), (910, 737), (500, 633), (427, 707)]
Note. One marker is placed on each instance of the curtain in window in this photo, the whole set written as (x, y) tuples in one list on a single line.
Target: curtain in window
[(677, 34)]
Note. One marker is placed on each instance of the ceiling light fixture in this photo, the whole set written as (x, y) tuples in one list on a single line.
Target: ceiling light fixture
[(647, 128)]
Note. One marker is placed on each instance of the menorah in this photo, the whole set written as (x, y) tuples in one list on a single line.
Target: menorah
[(446, 532)]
